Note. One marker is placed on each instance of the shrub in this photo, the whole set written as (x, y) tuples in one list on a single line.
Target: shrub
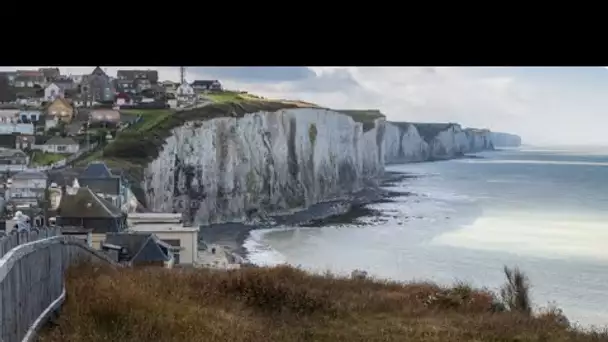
[(515, 292), (283, 304)]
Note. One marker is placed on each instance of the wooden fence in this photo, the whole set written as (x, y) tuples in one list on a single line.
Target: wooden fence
[(32, 286)]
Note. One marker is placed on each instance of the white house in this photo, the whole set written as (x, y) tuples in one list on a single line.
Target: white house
[(60, 145), (168, 228), (22, 128), (185, 93), (53, 91), (27, 184), (50, 122), (57, 89)]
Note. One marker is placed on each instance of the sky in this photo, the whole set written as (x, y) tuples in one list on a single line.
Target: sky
[(545, 106)]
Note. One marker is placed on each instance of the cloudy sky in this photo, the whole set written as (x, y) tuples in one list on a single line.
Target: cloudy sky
[(544, 105)]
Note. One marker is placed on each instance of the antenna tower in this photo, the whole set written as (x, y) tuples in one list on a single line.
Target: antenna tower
[(182, 75)]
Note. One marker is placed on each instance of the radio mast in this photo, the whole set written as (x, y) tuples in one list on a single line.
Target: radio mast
[(182, 75)]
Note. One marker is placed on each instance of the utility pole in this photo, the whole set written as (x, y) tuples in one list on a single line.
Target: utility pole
[(182, 75)]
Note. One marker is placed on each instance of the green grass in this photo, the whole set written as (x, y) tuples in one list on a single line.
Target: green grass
[(40, 158), (227, 96), (150, 117), (366, 116)]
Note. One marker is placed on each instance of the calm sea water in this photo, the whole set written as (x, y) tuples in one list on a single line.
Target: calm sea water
[(543, 210)]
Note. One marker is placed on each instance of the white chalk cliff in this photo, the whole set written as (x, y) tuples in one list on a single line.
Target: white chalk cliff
[(505, 139), (228, 168), (414, 142)]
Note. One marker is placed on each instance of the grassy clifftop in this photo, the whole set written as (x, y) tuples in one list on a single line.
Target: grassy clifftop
[(365, 116), (285, 304)]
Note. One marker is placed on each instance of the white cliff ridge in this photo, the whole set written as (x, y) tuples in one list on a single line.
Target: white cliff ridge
[(414, 142), (227, 169)]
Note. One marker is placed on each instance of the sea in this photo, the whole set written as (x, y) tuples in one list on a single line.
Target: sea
[(544, 210)]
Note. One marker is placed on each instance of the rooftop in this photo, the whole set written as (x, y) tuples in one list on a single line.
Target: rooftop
[(61, 141), (86, 204), (30, 175), (141, 247)]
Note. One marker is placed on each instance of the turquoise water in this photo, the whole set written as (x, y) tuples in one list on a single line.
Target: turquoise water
[(543, 210)]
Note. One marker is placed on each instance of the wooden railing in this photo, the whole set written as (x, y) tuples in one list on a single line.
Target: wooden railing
[(32, 270)]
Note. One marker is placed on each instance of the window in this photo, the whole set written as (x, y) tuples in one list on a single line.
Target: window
[(62, 148)]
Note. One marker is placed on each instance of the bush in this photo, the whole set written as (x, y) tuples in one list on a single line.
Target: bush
[(515, 293), (282, 304)]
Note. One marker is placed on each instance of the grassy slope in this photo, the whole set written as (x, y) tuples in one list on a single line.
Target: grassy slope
[(282, 304), (40, 158)]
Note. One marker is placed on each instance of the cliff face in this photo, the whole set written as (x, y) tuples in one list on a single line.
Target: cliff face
[(271, 161), (505, 139), (414, 142), (226, 169)]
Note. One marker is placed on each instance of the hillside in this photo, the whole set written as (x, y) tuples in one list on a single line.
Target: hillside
[(284, 304)]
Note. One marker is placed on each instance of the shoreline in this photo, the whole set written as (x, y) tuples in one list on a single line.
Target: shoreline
[(232, 236)]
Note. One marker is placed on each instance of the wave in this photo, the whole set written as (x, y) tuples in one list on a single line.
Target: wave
[(260, 253)]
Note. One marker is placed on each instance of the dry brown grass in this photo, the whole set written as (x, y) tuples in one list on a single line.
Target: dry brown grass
[(283, 304)]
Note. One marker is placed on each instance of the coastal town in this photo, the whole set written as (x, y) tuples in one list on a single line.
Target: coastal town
[(53, 130)]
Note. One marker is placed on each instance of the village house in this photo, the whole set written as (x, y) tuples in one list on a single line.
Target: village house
[(125, 86), (133, 75), (142, 84), (28, 184), (50, 74), (206, 85), (25, 142), (185, 93), (97, 87), (169, 229), (170, 86), (105, 184), (10, 76), (9, 115), (60, 145), (57, 89), (59, 110), (104, 118), (140, 249), (18, 128), (9, 156), (81, 208), (29, 79), (29, 115)]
